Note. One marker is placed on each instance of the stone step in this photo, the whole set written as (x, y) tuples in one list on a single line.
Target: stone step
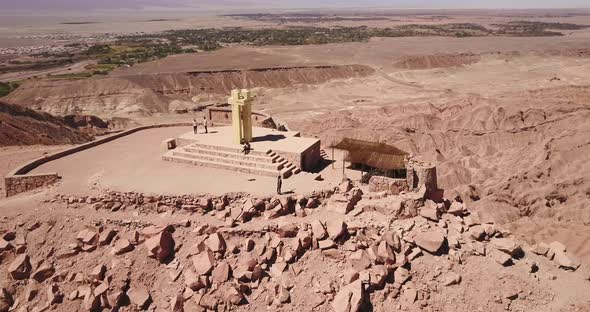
[(286, 173), (227, 154), (225, 166), (227, 160), (237, 149)]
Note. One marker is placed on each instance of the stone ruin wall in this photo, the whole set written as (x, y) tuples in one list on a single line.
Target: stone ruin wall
[(17, 184), (307, 160), (222, 115), (385, 184), (419, 173)]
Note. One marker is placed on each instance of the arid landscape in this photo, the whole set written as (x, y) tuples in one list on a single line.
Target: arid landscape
[(497, 100)]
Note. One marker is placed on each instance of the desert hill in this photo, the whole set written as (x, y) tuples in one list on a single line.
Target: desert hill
[(145, 94), (22, 126), (520, 155)]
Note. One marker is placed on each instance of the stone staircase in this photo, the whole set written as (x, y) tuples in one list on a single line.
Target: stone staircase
[(264, 163)]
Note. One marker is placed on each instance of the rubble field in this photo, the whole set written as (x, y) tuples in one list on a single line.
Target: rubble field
[(325, 251)]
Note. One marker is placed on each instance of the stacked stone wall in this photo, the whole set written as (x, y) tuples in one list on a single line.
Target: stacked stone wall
[(385, 184), (419, 173), (17, 184)]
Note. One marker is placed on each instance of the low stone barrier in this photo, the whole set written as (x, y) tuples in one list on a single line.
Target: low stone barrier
[(385, 184), (19, 184), (19, 180)]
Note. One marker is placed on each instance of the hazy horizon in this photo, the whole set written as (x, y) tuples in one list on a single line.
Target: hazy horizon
[(38, 6)]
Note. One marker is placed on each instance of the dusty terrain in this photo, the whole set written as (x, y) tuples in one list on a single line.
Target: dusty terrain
[(504, 119), (23, 126)]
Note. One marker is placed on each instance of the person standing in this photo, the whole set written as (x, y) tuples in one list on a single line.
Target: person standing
[(195, 126), (279, 184), (205, 124)]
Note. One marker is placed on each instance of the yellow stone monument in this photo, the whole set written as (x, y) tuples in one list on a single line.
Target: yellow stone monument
[(241, 110)]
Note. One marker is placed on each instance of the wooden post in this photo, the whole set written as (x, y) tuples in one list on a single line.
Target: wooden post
[(343, 163), (333, 160)]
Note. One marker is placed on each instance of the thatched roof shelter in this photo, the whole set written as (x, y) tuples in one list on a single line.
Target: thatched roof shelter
[(373, 154)]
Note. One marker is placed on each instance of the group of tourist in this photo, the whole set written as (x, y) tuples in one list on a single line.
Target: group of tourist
[(196, 125)]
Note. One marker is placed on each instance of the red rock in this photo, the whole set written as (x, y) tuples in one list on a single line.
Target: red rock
[(203, 262), (501, 257), (283, 295), (98, 272), (393, 240), (457, 209), (378, 274), (215, 243), (248, 244), (43, 272), (31, 292), (160, 246), (359, 260), (540, 249), (106, 237), (287, 229), (122, 246), (401, 275), (221, 273), (91, 303), (410, 295), (326, 244), (312, 203), (231, 295), (429, 211), (341, 204), (20, 268), (139, 297), (430, 241), (6, 300), (4, 245), (385, 254), (507, 245), (349, 298), (305, 238), (192, 281), (101, 289), (476, 232), (557, 247), (54, 295), (345, 186), (335, 228), (566, 260), (452, 279), (278, 268), (191, 306), (318, 230), (88, 237), (350, 275), (177, 303)]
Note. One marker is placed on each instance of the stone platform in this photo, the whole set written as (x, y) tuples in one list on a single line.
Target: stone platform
[(273, 152)]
